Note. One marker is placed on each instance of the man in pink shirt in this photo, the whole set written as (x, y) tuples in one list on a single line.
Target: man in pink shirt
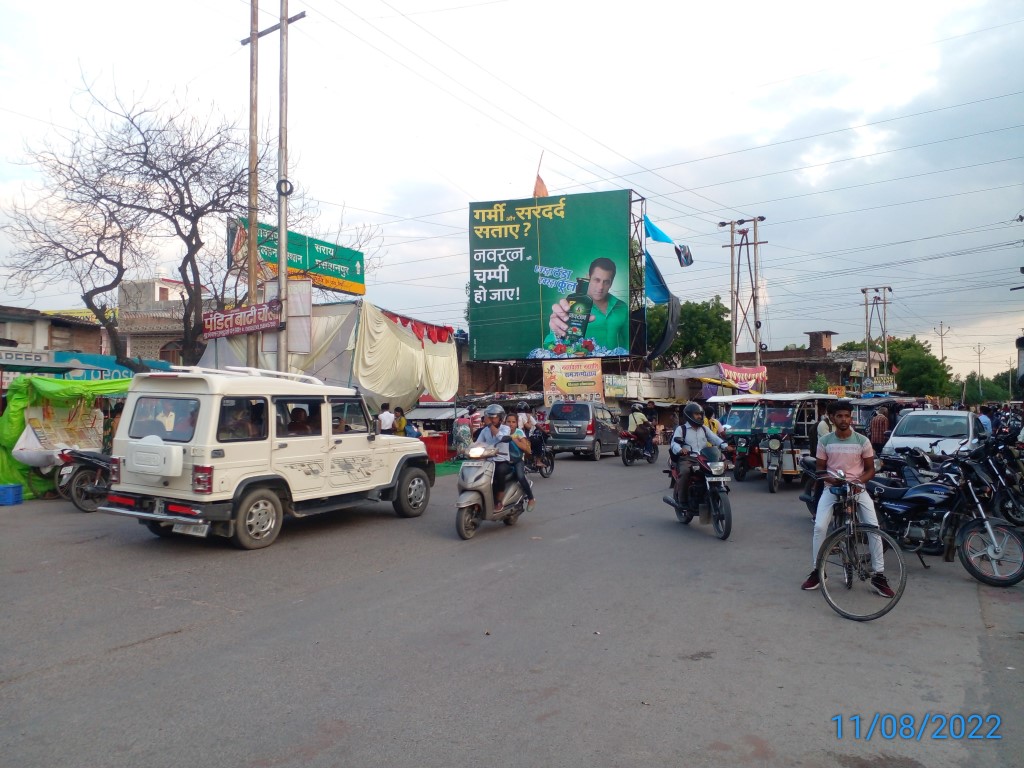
[(850, 452)]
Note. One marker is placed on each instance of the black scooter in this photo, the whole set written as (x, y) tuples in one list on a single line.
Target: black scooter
[(88, 480)]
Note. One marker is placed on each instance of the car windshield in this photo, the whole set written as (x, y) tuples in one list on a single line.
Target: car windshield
[(569, 412), (925, 425)]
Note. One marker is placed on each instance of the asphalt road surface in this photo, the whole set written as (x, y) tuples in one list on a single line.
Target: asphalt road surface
[(596, 632)]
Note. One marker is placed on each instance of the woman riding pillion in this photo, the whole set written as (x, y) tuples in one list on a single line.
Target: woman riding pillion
[(519, 451), (690, 438)]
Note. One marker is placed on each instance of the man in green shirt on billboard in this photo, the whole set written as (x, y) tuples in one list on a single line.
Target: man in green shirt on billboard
[(608, 324)]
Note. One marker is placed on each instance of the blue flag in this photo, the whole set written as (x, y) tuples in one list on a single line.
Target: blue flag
[(660, 244)]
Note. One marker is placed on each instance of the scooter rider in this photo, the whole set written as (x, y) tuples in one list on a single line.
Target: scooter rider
[(695, 437), (528, 424), (492, 432)]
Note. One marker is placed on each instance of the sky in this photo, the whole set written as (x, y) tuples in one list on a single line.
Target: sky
[(882, 142)]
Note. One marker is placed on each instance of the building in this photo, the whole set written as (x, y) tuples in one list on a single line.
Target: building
[(791, 370)]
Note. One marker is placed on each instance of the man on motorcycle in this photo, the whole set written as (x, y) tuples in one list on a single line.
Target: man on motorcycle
[(492, 432), (690, 437), (640, 426), (850, 452), (528, 424)]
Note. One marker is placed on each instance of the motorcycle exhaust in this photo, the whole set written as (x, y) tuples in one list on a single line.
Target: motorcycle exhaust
[(670, 501)]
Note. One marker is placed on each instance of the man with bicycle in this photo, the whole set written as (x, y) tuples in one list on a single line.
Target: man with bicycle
[(846, 450)]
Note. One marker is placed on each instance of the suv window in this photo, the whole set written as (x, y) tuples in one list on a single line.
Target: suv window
[(170, 418), (348, 416), (298, 417), (569, 412), (242, 418)]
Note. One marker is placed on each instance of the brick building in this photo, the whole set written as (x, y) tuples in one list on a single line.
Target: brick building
[(791, 370)]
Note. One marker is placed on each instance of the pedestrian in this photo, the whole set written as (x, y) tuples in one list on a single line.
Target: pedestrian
[(878, 427), (386, 419)]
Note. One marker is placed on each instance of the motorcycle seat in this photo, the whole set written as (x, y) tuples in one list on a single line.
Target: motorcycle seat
[(89, 455), (885, 488), (809, 463)]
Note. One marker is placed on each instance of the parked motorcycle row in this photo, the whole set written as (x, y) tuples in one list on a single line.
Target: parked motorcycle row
[(967, 503)]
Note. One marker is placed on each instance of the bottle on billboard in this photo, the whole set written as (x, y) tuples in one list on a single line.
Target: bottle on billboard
[(580, 308)]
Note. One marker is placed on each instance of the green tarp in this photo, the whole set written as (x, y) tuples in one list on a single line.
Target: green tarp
[(26, 391)]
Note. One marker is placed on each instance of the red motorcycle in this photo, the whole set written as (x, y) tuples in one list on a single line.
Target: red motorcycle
[(631, 449), (708, 485)]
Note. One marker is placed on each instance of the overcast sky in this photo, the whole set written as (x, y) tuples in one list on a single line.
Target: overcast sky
[(882, 142)]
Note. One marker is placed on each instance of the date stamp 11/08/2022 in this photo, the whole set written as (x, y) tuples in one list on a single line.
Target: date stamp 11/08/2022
[(907, 727)]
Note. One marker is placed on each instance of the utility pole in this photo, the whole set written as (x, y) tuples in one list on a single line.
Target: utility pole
[(737, 251), (883, 289), (978, 349), (942, 336), (284, 186), (1009, 378)]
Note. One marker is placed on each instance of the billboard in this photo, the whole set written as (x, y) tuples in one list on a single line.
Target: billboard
[(330, 266), (573, 380), (549, 277)]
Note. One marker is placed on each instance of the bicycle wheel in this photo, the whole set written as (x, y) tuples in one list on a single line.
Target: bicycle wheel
[(848, 576)]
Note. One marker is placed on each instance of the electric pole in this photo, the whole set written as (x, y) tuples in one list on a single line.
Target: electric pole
[(978, 349), (741, 313), (942, 336), (883, 289)]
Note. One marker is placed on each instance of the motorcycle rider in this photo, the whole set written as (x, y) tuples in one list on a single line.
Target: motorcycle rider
[(528, 424), (640, 426), (491, 434), (850, 452), (695, 437)]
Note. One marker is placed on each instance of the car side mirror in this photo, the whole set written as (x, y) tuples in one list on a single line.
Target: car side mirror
[(376, 429)]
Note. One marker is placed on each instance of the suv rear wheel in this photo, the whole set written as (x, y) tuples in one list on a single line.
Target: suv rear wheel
[(258, 519), (413, 493)]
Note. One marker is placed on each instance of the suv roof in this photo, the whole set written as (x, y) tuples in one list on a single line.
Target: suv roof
[(238, 381)]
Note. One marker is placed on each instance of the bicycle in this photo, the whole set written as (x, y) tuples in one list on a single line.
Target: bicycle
[(844, 564)]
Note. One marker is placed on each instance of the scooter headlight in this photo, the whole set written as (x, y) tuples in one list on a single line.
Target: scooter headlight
[(717, 467), (476, 451), (741, 442)]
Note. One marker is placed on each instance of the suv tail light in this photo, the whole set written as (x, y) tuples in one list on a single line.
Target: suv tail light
[(202, 479), (115, 469), (591, 427)]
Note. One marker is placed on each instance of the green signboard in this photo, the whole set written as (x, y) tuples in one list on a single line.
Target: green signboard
[(549, 277), (330, 266)]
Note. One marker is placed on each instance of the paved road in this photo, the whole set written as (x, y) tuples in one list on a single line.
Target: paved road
[(597, 632)]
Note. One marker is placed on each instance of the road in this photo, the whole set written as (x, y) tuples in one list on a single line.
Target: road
[(596, 632)]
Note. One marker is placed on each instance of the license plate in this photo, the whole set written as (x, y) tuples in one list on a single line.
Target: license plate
[(561, 430), (67, 469), (718, 479), (190, 529), (623, 442)]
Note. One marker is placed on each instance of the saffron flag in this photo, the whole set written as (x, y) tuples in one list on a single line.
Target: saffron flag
[(540, 189), (660, 244)]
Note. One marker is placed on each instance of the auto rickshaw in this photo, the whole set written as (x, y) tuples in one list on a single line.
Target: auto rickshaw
[(739, 428), (789, 423)]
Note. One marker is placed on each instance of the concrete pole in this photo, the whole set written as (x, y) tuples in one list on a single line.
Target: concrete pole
[(252, 254), (283, 190)]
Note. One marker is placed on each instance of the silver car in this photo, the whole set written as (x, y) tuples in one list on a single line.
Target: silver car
[(587, 429), (935, 431)]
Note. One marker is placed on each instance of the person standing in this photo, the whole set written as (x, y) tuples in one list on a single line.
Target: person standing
[(386, 419), (878, 427), (400, 421), (850, 452), (986, 419)]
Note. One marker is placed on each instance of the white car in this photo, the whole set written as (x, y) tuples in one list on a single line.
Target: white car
[(230, 453), (936, 431)]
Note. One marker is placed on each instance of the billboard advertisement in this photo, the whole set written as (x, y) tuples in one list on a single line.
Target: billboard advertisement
[(549, 277), (573, 381)]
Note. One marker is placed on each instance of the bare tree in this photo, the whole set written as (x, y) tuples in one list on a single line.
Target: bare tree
[(129, 184)]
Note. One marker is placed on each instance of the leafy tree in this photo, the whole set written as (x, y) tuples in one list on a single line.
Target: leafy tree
[(703, 336), (819, 384), (920, 374)]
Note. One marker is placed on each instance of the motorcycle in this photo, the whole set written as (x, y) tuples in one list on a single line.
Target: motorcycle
[(475, 503), (544, 462), (707, 488), (631, 449), (85, 477), (947, 515), (998, 456)]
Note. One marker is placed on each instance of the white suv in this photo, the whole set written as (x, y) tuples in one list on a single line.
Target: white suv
[(230, 453)]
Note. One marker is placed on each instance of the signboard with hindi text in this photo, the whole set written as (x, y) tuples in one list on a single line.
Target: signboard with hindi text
[(528, 256), (329, 266), (573, 381)]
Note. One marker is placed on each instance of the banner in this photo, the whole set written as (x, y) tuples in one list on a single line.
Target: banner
[(837, 391), (573, 381), (231, 322), (883, 382), (532, 261)]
